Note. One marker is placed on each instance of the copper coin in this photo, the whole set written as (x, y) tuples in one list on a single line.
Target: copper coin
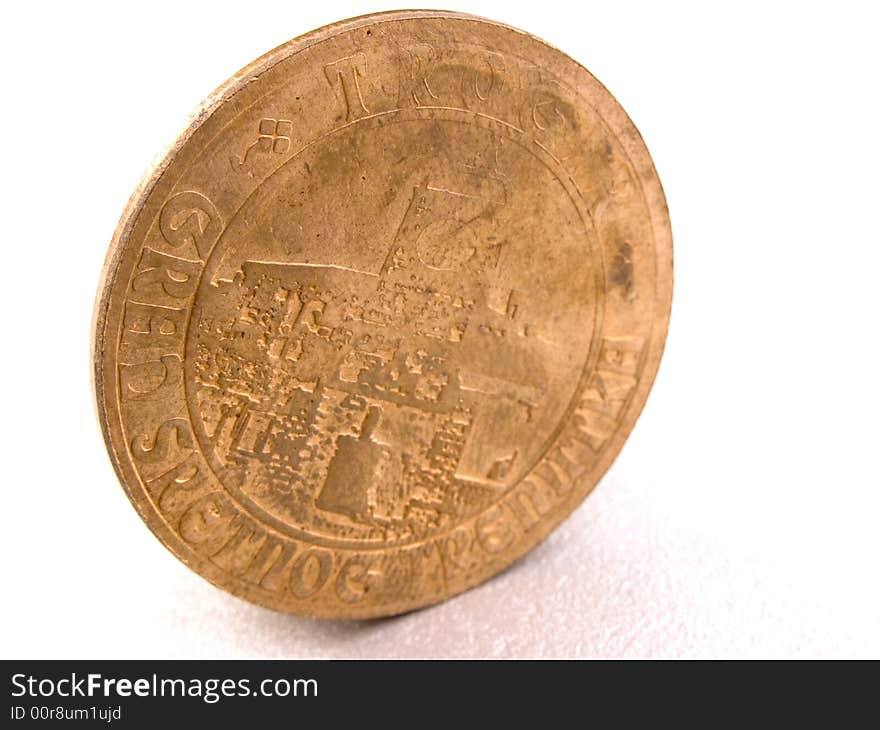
[(383, 315)]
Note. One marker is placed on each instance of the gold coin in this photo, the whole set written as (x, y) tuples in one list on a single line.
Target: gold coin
[(383, 315)]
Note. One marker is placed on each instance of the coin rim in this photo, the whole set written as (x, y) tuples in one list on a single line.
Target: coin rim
[(638, 155)]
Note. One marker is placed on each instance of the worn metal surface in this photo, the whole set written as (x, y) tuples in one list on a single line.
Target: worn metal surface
[(383, 315)]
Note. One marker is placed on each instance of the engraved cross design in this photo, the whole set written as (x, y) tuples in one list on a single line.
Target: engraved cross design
[(273, 136)]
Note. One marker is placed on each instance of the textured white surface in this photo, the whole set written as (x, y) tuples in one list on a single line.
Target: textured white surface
[(624, 577), (741, 518)]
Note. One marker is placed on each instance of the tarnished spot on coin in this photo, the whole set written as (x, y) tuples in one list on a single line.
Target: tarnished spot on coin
[(383, 315)]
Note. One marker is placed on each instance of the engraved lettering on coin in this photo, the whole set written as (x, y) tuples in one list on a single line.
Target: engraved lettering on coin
[(190, 223), (346, 75)]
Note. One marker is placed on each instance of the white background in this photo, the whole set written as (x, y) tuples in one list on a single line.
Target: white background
[(741, 518)]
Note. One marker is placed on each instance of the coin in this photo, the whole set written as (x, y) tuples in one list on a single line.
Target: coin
[(383, 315)]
